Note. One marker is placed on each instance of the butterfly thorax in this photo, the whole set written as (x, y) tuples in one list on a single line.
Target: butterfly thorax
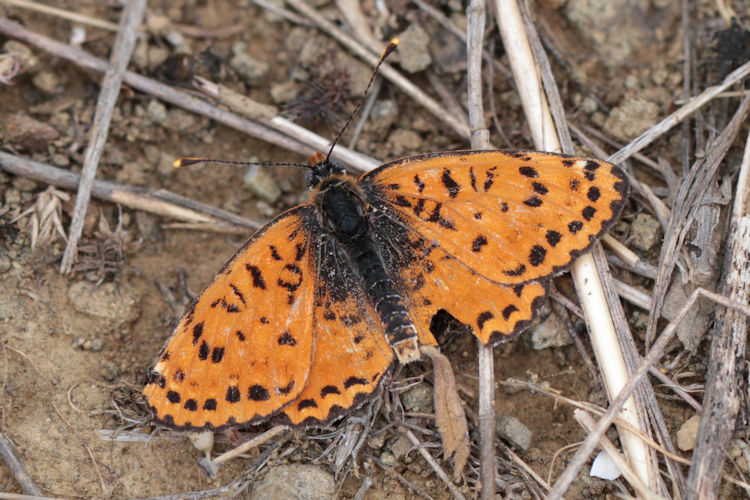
[(344, 214)]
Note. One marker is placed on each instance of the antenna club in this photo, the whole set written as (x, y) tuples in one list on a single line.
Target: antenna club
[(392, 45), (184, 162)]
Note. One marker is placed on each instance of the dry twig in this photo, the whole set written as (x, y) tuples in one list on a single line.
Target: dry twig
[(723, 392), (159, 202), (17, 467), (480, 140), (121, 52)]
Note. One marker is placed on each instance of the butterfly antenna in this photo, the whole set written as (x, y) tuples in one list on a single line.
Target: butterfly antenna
[(386, 52), (184, 162)]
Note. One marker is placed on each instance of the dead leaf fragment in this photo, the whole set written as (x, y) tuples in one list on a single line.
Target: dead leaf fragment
[(449, 414)]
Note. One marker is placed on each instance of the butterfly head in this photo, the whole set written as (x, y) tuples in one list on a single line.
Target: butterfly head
[(321, 169)]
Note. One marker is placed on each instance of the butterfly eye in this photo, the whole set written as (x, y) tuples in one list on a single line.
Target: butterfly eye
[(311, 179)]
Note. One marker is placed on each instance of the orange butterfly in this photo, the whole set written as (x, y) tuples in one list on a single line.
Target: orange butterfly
[(302, 324)]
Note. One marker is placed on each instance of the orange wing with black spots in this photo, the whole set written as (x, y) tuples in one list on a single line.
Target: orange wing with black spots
[(351, 353), (245, 347), (512, 216), (433, 280)]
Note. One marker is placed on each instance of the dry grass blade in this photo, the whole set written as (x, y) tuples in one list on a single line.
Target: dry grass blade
[(213, 465)]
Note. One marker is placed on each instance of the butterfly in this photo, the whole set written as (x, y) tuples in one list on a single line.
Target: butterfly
[(304, 322)]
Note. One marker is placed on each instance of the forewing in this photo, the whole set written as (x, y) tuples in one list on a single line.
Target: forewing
[(513, 216), (243, 349), (351, 352)]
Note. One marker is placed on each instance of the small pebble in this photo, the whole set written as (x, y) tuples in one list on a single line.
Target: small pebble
[(261, 183), (413, 49), (155, 56), (157, 111), (401, 447), (12, 196), (61, 160), (403, 142), (604, 468), (116, 303), (376, 442), (418, 398), (132, 172), (513, 431), (47, 83), (631, 118), (203, 441), (28, 61), (688, 433), (549, 333), (295, 482), (388, 459), (250, 69), (448, 50), (645, 232), (5, 263), (265, 209), (26, 132), (284, 92), (382, 116), (93, 345)]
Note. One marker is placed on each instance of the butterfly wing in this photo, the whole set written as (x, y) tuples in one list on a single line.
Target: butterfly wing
[(351, 353), (513, 216), (244, 348), (433, 280)]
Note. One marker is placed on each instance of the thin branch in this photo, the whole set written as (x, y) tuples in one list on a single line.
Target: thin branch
[(131, 20), (159, 202), (158, 90), (476, 14), (435, 466), (17, 467), (723, 392)]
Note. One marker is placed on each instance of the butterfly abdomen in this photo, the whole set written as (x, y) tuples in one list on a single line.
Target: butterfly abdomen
[(344, 215)]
